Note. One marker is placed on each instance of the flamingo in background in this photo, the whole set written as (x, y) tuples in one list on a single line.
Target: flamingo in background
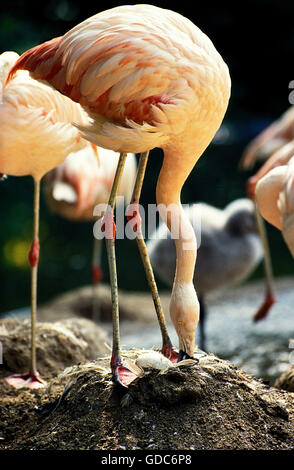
[(277, 140), (7, 60), (79, 183), (148, 77), (272, 185), (275, 199), (35, 136), (229, 251)]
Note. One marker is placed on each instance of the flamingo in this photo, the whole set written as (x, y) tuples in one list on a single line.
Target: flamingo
[(7, 60), (229, 250), (276, 140), (78, 184), (272, 184), (148, 77), (35, 136), (275, 199), (275, 146)]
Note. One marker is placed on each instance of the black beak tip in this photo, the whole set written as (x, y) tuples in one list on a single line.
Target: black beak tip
[(183, 355)]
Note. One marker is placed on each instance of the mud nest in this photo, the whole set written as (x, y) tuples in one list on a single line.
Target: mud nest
[(208, 405), (59, 345)]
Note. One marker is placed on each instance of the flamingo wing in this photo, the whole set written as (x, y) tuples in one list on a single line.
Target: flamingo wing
[(134, 74)]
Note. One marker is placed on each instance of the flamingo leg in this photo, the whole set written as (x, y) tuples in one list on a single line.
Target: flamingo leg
[(32, 379), (134, 216), (120, 374), (269, 298), (97, 275), (202, 323)]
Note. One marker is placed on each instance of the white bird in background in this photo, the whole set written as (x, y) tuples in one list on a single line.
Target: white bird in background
[(149, 78), (229, 250), (35, 136), (79, 183)]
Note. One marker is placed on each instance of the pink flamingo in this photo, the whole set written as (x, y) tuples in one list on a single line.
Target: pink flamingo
[(284, 202), (148, 77), (272, 184), (79, 183), (35, 136), (277, 140)]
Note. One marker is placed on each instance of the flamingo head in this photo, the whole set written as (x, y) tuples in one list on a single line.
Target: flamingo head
[(184, 313)]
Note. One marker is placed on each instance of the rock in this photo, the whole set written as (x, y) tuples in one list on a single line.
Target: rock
[(286, 380), (208, 405), (133, 305), (59, 345)]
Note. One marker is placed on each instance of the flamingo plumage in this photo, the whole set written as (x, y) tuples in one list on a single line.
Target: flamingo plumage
[(35, 136), (148, 77), (275, 198)]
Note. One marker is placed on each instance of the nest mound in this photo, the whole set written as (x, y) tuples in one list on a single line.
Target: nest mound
[(59, 345), (207, 405)]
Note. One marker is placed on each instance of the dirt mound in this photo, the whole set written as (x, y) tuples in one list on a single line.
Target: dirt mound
[(59, 345), (209, 405), (134, 306), (286, 380)]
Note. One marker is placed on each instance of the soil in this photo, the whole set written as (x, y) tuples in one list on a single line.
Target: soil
[(208, 405)]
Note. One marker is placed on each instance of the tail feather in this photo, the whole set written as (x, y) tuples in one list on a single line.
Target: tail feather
[(37, 61), (130, 137)]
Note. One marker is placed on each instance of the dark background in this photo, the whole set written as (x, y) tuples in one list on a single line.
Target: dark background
[(255, 38)]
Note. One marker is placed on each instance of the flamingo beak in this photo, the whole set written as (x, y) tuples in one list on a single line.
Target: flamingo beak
[(183, 356)]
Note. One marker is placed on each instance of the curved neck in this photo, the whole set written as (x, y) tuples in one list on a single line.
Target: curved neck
[(174, 172)]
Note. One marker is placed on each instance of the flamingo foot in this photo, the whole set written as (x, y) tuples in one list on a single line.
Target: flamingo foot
[(29, 380), (121, 375), (263, 310)]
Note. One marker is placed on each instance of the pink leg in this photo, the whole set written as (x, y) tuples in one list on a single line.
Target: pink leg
[(266, 305), (121, 375), (32, 379), (97, 275), (134, 218), (270, 297)]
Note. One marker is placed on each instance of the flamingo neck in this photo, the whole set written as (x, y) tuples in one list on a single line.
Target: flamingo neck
[(173, 174), (184, 305)]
